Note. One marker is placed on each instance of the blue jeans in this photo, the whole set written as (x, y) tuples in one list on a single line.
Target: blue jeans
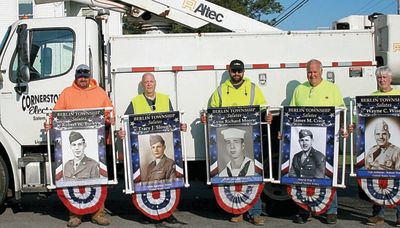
[(378, 210), (256, 209), (333, 207)]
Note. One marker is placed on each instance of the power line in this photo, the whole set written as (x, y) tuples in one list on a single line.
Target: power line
[(388, 5), (364, 6), (371, 7), (284, 11), (288, 14)]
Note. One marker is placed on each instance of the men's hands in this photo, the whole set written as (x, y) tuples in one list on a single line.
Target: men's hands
[(268, 118), (183, 127), (110, 120), (350, 128), (203, 118), (344, 133), (121, 134)]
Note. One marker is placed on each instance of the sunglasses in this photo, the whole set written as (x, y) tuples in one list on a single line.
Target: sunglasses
[(83, 71), (236, 71)]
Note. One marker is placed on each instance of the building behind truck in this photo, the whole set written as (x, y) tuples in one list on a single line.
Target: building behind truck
[(38, 56)]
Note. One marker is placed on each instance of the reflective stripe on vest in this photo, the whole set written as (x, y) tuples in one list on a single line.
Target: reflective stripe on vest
[(252, 94), (140, 104)]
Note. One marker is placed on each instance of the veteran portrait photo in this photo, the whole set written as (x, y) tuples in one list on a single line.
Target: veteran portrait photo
[(309, 162), (162, 167), (239, 164), (81, 166), (384, 155)]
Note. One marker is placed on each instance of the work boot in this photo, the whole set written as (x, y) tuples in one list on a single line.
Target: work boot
[(375, 220), (257, 220), (171, 220), (398, 222), (74, 220), (331, 218), (300, 219), (99, 217), (237, 219)]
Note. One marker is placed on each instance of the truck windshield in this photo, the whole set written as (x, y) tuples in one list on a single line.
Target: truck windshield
[(3, 41)]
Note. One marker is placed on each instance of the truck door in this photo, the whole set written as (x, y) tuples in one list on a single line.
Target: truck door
[(52, 45)]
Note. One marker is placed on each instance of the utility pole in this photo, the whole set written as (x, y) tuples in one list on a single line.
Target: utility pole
[(398, 7)]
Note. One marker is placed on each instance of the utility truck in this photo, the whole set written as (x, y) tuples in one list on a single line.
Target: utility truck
[(38, 58)]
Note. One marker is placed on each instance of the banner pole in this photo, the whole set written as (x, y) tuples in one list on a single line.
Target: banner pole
[(51, 186), (203, 113), (187, 185), (352, 110)]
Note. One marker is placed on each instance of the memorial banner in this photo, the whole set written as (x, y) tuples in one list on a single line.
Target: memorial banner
[(155, 151), (378, 131), (235, 145), (309, 147), (80, 147)]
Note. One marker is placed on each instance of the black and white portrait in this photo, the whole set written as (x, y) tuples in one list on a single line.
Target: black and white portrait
[(157, 157), (235, 152), (380, 138), (307, 156)]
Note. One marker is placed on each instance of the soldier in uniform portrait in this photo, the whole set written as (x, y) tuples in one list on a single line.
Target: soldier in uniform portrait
[(308, 163), (239, 165), (81, 166), (162, 167), (384, 155)]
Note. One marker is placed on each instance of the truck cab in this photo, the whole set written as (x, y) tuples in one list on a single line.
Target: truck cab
[(37, 61)]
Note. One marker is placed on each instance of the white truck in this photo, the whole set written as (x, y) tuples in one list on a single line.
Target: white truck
[(38, 58)]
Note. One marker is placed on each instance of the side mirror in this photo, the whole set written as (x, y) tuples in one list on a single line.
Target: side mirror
[(24, 73), (23, 46)]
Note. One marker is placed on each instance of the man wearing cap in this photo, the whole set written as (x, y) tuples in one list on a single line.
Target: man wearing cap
[(237, 90), (162, 167), (309, 162), (82, 94), (239, 165), (240, 91), (81, 166), (383, 80), (317, 92)]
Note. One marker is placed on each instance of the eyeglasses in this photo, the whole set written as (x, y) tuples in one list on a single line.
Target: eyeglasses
[(82, 71), (236, 71), (153, 107)]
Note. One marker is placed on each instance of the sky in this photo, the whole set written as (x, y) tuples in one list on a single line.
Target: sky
[(321, 13)]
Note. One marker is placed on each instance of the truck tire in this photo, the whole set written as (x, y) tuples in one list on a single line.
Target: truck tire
[(4, 180), (277, 201)]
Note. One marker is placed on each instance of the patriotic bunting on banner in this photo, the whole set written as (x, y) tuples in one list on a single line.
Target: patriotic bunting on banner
[(314, 199), (83, 200), (381, 191), (157, 205), (238, 198)]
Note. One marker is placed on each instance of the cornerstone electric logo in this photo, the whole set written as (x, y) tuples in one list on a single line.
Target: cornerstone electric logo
[(37, 104), (203, 9)]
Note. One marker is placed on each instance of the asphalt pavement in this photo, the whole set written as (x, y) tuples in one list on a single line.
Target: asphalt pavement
[(197, 208)]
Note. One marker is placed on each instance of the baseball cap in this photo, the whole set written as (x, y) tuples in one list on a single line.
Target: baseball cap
[(82, 71), (236, 65)]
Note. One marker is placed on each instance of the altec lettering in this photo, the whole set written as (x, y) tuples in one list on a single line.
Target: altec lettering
[(208, 12)]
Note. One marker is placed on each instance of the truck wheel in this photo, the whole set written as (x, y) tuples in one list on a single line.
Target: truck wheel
[(3, 180), (277, 201)]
